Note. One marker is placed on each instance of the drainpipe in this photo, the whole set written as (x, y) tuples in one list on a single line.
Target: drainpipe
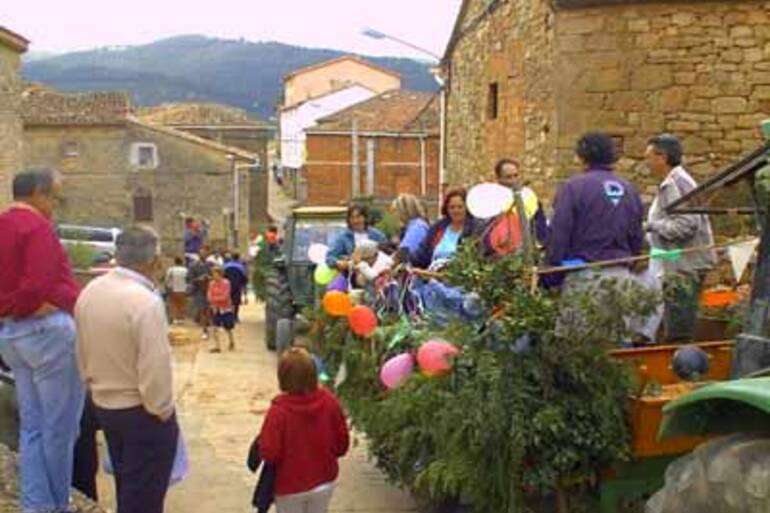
[(438, 75)]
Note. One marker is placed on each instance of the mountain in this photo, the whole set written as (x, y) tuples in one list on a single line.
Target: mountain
[(235, 72)]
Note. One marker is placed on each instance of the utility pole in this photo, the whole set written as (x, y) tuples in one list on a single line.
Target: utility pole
[(355, 170)]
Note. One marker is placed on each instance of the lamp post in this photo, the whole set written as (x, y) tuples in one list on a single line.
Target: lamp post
[(436, 72)]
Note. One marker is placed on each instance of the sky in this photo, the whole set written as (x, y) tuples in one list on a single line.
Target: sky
[(61, 26)]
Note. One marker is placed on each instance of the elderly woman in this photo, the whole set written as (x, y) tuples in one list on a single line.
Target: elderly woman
[(414, 220), (369, 263), (357, 232), (445, 236)]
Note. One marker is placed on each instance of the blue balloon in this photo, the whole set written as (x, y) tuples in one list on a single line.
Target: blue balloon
[(690, 363)]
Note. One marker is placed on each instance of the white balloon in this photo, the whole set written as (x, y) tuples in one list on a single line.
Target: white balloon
[(317, 253), (488, 200)]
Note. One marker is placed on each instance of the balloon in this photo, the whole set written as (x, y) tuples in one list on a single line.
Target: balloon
[(690, 363), (434, 357), (505, 235), (336, 303), (487, 200), (317, 253), (324, 274), (340, 283), (529, 198), (396, 370), (362, 320)]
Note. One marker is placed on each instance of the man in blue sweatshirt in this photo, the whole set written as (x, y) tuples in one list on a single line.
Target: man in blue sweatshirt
[(597, 215)]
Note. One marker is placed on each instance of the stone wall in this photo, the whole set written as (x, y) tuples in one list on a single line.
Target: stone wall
[(511, 47), (10, 123), (100, 181), (700, 70), (254, 141)]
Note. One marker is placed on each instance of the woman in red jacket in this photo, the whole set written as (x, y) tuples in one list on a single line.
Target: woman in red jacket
[(303, 435)]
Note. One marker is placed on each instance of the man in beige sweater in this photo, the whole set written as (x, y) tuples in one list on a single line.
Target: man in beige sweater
[(125, 361)]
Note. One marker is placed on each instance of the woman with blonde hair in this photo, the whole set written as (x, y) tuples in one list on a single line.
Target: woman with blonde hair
[(411, 214)]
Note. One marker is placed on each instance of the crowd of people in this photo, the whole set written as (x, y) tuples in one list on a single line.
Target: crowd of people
[(101, 357), (597, 226)]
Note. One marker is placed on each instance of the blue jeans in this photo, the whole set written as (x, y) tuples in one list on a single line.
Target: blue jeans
[(41, 354)]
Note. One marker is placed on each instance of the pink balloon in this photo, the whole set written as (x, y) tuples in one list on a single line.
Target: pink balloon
[(396, 370), (434, 357)]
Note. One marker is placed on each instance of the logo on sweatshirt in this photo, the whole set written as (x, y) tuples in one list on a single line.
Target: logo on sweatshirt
[(614, 191)]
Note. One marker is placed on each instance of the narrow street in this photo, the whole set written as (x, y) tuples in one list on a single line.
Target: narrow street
[(221, 401)]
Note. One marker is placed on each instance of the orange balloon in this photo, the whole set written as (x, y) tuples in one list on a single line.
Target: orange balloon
[(362, 320), (336, 303)]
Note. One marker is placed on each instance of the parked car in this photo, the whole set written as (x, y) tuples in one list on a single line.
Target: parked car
[(100, 240)]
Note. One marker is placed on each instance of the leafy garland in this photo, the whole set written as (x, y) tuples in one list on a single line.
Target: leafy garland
[(524, 410)]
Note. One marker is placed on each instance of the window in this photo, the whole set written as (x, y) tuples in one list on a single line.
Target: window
[(70, 149), (620, 144), (142, 208), (144, 155), (492, 101)]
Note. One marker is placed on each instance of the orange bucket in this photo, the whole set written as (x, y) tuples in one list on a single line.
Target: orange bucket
[(719, 298)]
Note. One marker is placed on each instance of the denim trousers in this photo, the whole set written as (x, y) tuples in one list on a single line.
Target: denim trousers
[(41, 354)]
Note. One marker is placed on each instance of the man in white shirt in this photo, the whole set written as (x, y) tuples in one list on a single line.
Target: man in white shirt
[(176, 286), (125, 360), (682, 278)]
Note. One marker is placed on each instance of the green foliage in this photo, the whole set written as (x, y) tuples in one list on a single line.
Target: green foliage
[(81, 255), (506, 420), (389, 225)]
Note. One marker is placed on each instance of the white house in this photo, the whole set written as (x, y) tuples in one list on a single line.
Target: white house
[(295, 119)]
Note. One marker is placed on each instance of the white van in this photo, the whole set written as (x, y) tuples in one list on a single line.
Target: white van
[(101, 240)]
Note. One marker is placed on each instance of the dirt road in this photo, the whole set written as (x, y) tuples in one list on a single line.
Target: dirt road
[(222, 398)]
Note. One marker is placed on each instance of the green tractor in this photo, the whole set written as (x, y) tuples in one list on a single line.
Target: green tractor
[(290, 285), (729, 473)]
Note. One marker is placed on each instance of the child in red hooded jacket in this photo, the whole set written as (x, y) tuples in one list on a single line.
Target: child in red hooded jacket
[(303, 435)]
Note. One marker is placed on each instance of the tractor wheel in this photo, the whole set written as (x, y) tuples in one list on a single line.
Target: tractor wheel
[(277, 306), (726, 475), (284, 335)]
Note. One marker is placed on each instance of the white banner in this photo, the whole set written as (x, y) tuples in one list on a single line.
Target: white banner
[(740, 255)]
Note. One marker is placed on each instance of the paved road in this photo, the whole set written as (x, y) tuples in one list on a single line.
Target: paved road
[(222, 398)]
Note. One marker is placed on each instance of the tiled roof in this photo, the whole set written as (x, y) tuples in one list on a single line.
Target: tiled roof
[(179, 134), (334, 90), (42, 106), (13, 40), (186, 114), (391, 111), (354, 58)]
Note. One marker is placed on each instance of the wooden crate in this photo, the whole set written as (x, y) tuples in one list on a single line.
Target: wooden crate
[(653, 364)]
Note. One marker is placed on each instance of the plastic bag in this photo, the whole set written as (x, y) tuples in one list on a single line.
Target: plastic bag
[(179, 471)]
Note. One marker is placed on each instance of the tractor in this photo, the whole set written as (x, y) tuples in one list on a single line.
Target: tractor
[(705, 446), (290, 285)]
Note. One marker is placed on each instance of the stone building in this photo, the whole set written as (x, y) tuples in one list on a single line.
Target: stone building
[(527, 77), (119, 169), (229, 126), (12, 46), (378, 148)]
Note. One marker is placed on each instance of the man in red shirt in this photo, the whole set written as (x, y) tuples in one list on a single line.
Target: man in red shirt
[(37, 340)]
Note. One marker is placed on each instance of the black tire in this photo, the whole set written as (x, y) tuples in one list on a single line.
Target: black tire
[(277, 306), (725, 475)]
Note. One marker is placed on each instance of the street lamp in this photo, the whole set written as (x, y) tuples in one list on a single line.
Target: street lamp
[(376, 34), (436, 72)]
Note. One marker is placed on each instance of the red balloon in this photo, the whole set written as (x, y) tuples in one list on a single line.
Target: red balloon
[(362, 320), (434, 357)]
